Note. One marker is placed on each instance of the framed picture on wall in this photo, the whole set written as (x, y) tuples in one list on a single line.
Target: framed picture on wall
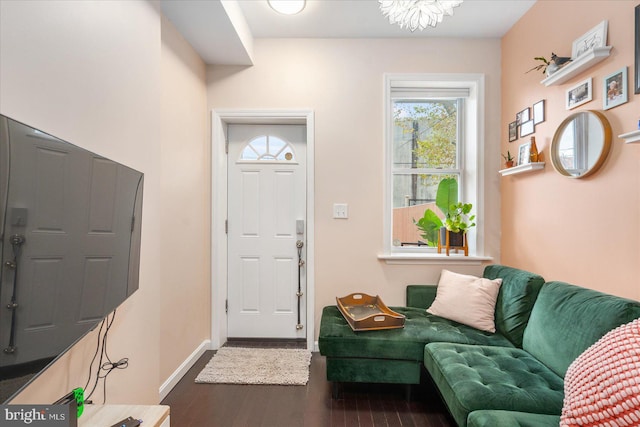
[(538, 112), (579, 94), (615, 89), (637, 68), (513, 131), (595, 37), (524, 153), (526, 128), (522, 116)]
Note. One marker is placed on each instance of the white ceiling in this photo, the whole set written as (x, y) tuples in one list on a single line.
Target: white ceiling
[(222, 31)]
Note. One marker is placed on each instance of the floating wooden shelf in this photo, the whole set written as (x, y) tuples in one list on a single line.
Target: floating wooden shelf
[(631, 137), (578, 65), (528, 167)]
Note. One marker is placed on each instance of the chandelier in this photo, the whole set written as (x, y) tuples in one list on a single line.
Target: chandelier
[(416, 14)]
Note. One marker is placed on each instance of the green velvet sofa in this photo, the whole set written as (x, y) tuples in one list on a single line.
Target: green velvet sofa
[(511, 378)]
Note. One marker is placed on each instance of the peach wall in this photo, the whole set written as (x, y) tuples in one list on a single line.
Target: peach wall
[(584, 231), (341, 80), (67, 69), (186, 275)]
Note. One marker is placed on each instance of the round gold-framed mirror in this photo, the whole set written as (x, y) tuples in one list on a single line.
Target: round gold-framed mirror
[(581, 144)]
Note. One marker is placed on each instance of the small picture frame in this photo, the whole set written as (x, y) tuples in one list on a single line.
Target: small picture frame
[(579, 94), (538, 112), (522, 116), (615, 89), (527, 128), (595, 37), (513, 131), (524, 153)]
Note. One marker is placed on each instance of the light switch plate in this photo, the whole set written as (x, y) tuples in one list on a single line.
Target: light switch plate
[(340, 210)]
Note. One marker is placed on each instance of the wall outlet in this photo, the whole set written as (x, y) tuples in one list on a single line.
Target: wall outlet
[(340, 210)]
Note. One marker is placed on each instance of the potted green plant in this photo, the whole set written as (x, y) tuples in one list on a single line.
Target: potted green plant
[(457, 222), (543, 66), (430, 223), (508, 160), (456, 216)]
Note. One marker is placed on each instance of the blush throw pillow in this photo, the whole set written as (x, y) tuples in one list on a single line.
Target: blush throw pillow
[(466, 299), (602, 386)]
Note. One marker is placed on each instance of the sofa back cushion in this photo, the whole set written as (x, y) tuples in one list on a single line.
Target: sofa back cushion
[(516, 298), (567, 319)]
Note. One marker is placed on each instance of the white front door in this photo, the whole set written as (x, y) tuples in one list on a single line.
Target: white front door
[(266, 221)]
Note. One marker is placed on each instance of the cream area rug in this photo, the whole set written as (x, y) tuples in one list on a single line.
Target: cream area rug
[(238, 365)]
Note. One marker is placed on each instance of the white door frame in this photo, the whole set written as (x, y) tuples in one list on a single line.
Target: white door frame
[(220, 118)]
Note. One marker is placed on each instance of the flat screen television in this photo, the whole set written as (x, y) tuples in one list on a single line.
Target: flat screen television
[(70, 223)]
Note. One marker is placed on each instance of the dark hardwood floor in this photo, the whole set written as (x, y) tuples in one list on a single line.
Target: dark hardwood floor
[(366, 405)]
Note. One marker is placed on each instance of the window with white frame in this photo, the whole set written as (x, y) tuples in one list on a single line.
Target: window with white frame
[(432, 132), (267, 148)]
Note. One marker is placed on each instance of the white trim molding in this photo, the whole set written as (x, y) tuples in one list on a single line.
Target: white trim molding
[(472, 158), (220, 118), (180, 372)]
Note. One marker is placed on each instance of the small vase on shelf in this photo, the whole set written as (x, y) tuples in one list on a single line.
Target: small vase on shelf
[(533, 152)]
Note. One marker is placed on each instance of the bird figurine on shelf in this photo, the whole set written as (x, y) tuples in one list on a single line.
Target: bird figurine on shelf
[(551, 66), (560, 60)]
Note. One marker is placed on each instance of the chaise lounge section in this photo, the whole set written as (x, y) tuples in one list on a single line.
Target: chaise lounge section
[(397, 356)]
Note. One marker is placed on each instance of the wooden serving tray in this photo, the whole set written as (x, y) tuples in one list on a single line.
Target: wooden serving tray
[(367, 313)]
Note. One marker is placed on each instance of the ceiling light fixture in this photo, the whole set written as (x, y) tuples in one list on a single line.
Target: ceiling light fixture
[(416, 14), (287, 7)]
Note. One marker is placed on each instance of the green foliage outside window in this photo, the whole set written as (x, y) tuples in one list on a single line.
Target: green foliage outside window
[(437, 148), (434, 125), (428, 140)]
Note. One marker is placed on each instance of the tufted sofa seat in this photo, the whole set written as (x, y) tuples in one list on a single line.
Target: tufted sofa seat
[(565, 320), (478, 377), (496, 418), (406, 343), (385, 350)]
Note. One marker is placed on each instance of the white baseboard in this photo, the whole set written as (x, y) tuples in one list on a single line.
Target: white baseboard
[(316, 349), (177, 375)]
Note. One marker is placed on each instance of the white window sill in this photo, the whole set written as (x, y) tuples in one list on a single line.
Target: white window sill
[(434, 258)]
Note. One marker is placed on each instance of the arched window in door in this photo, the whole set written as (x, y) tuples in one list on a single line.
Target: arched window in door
[(268, 148)]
